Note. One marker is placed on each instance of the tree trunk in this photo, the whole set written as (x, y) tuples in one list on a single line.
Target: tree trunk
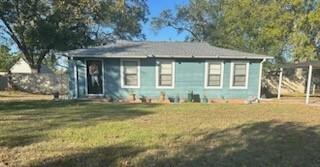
[(35, 69), (39, 68)]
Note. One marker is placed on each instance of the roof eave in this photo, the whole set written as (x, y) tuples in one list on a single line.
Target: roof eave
[(104, 56), (211, 57), (170, 56)]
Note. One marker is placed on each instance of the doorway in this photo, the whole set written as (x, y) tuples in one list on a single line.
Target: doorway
[(94, 77)]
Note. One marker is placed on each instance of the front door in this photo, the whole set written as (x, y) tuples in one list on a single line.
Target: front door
[(94, 77)]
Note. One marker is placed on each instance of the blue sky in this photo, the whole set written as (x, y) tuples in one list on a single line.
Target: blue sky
[(155, 8), (166, 34)]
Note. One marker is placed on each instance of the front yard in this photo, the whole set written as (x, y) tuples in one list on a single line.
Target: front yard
[(22, 96), (45, 133)]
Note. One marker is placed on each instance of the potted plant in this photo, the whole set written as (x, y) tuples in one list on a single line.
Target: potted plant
[(162, 96), (177, 99), (56, 95), (190, 96), (132, 95), (143, 99), (205, 99)]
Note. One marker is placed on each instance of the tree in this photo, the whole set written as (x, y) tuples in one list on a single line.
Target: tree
[(194, 18), (6, 58), (40, 27), (305, 37), (282, 28), (286, 28)]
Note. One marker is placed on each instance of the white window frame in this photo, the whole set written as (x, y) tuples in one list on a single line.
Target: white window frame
[(247, 75), (122, 74), (206, 86), (173, 74), (75, 75)]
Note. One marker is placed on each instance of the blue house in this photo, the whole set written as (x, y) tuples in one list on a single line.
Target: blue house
[(175, 68)]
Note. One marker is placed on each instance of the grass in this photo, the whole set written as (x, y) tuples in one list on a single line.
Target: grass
[(22, 96), (54, 134)]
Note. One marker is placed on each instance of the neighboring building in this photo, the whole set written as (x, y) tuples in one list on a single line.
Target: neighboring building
[(22, 67), (175, 68)]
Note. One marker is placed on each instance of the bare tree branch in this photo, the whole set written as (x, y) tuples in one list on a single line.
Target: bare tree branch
[(21, 46), (186, 29)]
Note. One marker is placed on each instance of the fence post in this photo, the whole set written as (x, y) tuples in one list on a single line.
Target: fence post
[(309, 84), (280, 82)]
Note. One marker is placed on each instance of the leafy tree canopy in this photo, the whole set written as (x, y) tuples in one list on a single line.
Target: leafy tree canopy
[(40, 27), (6, 59), (194, 18), (282, 28)]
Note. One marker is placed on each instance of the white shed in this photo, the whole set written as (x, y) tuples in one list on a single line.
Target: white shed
[(21, 66)]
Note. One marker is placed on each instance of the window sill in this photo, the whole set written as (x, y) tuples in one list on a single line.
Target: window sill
[(213, 87), (164, 87), (128, 87), (240, 87)]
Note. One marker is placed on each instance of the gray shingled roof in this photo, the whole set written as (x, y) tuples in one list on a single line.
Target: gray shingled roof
[(144, 49)]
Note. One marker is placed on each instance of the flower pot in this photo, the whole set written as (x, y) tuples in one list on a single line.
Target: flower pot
[(132, 97), (55, 95)]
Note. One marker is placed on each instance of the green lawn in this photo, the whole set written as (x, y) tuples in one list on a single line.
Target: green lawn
[(45, 133)]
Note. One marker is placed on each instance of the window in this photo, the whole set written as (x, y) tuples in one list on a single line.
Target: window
[(239, 75), (130, 73), (214, 74), (165, 74)]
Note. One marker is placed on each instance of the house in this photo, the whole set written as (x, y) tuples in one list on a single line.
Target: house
[(175, 68), (22, 67)]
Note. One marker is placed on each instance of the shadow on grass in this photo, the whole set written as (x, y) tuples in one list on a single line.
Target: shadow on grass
[(103, 156), (258, 144), (269, 143), (25, 123), (14, 106)]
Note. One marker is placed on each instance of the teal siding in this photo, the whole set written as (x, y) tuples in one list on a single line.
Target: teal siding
[(112, 79), (189, 76)]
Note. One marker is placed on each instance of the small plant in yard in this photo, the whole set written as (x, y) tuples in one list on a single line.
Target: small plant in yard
[(190, 96), (224, 99), (205, 99), (162, 96), (177, 99), (56, 95), (143, 99), (132, 95)]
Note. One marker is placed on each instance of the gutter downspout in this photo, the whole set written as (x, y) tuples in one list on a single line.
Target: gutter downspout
[(260, 78)]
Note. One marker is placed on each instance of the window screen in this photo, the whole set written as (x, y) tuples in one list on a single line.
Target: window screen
[(130, 73), (214, 74), (239, 74), (165, 73)]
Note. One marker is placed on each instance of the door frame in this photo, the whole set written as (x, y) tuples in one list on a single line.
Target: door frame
[(86, 77)]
